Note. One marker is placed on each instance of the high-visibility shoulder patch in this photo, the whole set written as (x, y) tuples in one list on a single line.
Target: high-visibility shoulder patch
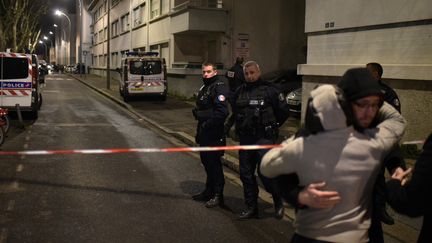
[(221, 98), (281, 97)]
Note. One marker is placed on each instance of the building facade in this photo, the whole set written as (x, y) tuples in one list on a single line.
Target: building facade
[(188, 33)]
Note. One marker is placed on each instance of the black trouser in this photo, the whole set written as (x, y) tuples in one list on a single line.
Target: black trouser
[(249, 161), (213, 165), (393, 160)]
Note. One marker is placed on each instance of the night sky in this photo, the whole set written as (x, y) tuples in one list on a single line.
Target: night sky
[(47, 21)]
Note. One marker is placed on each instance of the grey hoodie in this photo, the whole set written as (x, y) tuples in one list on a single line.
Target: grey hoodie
[(347, 160)]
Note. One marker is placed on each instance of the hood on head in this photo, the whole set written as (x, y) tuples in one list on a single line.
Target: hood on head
[(357, 83), (325, 110)]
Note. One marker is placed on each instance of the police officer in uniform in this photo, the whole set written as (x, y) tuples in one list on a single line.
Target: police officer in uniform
[(392, 161), (258, 111), (235, 75), (211, 111)]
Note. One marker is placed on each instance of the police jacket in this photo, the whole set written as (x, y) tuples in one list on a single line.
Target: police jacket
[(415, 197), (211, 105), (235, 77), (390, 96), (257, 107)]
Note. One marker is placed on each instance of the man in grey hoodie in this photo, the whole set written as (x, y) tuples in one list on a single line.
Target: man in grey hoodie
[(346, 159)]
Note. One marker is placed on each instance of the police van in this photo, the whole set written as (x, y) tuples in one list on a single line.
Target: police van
[(143, 74), (19, 84)]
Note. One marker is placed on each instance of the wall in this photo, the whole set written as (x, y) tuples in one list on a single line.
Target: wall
[(395, 33)]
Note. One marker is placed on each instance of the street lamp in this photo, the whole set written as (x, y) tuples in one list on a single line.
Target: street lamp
[(51, 45), (60, 13), (46, 48)]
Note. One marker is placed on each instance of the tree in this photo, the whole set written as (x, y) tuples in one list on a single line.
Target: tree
[(19, 23)]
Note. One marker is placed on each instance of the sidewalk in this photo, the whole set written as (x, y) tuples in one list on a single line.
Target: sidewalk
[(174, 117)]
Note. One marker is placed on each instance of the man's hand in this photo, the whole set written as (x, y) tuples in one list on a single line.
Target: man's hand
[(401, 175), (312, 196)]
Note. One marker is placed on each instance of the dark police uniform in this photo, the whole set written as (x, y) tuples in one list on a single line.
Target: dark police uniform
[(392, 160), (211, 111), (235, 76), (258, 109)]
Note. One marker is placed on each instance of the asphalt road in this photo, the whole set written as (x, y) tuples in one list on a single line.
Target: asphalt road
[(112, 197)]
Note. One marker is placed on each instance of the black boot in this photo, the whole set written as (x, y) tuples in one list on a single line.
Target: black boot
[(279, 207), (203, 196), (217, 200), (385, 217), (250, 213)]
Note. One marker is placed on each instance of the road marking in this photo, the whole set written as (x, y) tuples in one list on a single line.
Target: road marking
[(73, 124), (11, 206), (20, 168), (4, 235), (51, 91)]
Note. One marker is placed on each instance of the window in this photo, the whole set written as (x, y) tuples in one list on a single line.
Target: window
[(114, 28), (114, 2), (163, 50), (165, 6), (154, 8), (125, 23), (145, 67), (138, 15), (95, 39), (106, 33), (14, 68), (101, 36), (114, 60)]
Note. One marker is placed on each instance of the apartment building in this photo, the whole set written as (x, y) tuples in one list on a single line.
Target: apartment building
[(187, 33)]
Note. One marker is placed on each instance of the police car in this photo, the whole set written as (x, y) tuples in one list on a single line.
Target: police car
[(143, 74), (19, 84)]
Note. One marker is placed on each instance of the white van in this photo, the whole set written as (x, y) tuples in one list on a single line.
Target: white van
[(19, 84), (143, 73)]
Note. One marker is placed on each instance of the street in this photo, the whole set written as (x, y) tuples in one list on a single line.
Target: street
[(130, 197)]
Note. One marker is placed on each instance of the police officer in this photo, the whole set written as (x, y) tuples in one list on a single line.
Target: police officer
[(211, 111), (258, 111), (392, 161), (235, 75)]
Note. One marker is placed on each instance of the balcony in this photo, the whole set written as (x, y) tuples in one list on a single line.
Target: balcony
[(207, 16)]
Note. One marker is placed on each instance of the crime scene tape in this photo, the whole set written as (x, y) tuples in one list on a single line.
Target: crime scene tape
[(140, 150)]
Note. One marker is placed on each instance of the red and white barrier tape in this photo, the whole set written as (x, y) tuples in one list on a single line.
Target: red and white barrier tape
[(140, 150), (414, 142), (154, 150)]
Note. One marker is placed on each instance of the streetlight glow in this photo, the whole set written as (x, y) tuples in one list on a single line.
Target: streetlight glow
[(51, 33), (55, 26), (60, 13), (40, 42), (45, 37)]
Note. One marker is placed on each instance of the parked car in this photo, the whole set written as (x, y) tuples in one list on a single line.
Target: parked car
[(286, 80), (293, 100)]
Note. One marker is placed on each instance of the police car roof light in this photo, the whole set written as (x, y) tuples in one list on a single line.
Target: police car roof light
[(141, 53)]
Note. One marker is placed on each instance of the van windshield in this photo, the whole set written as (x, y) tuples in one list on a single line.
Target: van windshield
[(145, 67), (14, 68)]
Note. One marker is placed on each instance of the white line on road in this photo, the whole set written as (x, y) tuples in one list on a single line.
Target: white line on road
[(11, 206), (4, 235), (72, 124), (20, 168)]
